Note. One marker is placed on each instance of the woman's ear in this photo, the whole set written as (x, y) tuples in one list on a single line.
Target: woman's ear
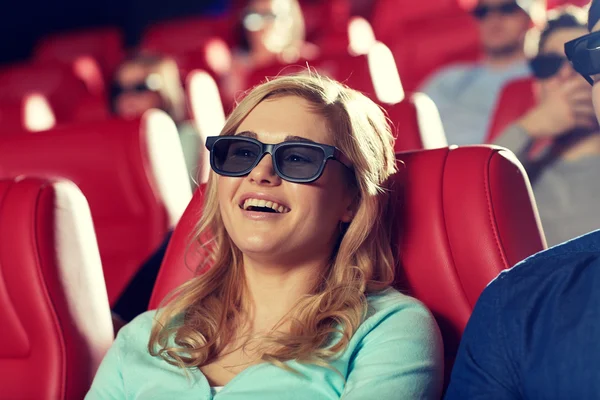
[(351, 208)]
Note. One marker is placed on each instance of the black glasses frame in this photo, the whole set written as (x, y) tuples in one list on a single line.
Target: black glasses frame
[(579, 64), (482, 12), (329, 152)]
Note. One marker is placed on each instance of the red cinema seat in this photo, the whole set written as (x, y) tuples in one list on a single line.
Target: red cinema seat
[(462, 215), (550, 4), (132, 173), (324, 18), (31, 113), (104, 45), (207, 113), (56, 323), (516, 98), (185, 34), (416, 123), (374, 74), (421, 47), (57, 83), (387, 14)]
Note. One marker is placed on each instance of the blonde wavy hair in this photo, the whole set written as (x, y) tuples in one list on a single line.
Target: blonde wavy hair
[(201, 316)]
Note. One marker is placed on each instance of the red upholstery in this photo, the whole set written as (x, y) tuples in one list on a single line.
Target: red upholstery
[(323, 18), (112, 162), (462, 215), (176, 36), (30, 113), (514, 101), (421, 47), (388, 14), (56, 323), (416, 124), (550, 4), (105, 45), (58, 83), (373, 74)]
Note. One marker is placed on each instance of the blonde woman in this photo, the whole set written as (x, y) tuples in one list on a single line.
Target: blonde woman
[(297, 303)]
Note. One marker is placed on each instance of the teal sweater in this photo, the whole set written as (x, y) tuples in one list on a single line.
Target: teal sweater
[(396, 353)]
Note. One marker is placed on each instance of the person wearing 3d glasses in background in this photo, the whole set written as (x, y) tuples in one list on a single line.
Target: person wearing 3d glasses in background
[(564, 174), (466, 93), (534, 331)]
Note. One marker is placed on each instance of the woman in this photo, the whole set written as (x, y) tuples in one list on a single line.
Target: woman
[(297, 302)]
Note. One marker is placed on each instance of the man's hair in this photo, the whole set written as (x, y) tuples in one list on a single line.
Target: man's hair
[(566, 19), (594, 14)]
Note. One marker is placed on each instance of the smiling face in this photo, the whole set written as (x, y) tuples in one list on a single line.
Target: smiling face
[(306, 225)]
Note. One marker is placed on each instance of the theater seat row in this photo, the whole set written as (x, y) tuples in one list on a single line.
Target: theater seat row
[(461, 215), (131, 172)]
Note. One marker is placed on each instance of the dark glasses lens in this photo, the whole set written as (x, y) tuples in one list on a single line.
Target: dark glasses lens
[(545, 66), (299, 161), (482, 11), (295, 162), (235, 156), (584, 54)]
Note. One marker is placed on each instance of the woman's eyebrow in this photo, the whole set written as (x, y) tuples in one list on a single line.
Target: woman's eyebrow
[(291, 138), (249, 134)]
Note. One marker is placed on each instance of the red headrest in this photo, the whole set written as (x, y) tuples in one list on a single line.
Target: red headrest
[(132, 173), (105, 45), (462, 215), (422, 46), (374, 74), (53, 304), (416, 123), (58, 83), (467, 213), (185, 34), (516, 98)]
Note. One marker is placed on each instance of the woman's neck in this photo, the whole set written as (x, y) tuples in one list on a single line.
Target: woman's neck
[(273, 291)]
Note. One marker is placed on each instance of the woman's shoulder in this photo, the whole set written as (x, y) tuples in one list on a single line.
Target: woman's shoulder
[(398, 310), (391, 299), (137, 331)]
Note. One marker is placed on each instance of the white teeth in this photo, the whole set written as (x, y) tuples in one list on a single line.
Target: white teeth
[(264, 203)]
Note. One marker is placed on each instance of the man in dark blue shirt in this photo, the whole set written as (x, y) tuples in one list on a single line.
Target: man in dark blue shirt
[(535, 331)]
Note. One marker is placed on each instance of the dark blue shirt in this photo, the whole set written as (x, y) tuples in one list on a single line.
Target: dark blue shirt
[(535, 330)]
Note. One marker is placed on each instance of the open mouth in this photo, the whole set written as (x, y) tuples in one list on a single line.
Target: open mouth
[(264, 206)]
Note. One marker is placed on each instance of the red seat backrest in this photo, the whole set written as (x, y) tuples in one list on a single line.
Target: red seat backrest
[(386, 15), (58, 83), (185, 34), (421, 47), (53, 304), (461, 216), (416, 123), (30, 113), (516, 98), (105, 45), (374, 74), (132, 173)]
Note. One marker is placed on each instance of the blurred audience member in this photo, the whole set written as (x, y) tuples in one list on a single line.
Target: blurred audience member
[(466, 94), (272, 31), (144, 81), (564, 177)]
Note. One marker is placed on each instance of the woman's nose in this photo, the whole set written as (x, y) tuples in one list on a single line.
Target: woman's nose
[(264, 173)]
